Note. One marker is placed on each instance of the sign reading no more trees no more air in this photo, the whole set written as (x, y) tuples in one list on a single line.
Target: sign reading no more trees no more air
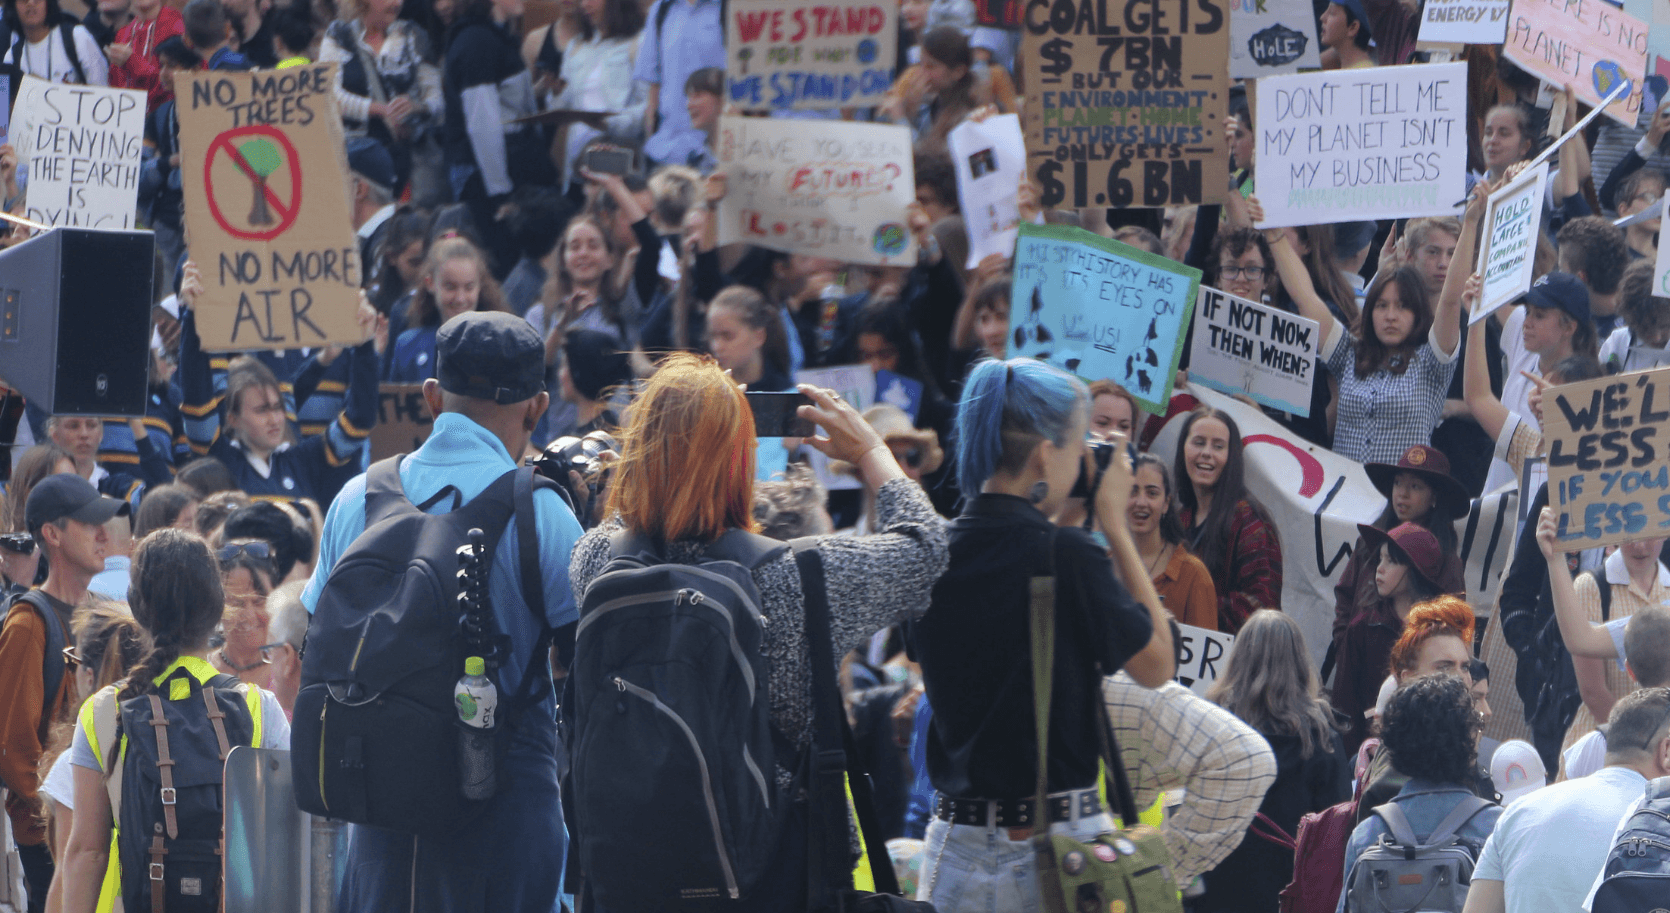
[(1380, 143), (1609, 458), (267, 212), (786, 54), (1130, 100)]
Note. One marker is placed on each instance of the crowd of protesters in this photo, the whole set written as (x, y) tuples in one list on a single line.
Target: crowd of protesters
[(553, 285)]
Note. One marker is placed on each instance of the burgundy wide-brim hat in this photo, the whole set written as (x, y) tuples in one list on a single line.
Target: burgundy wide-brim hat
[(1416, 545), (1432, 466)]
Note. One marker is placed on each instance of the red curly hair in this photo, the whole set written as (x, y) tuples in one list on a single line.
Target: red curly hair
[(1449, 615)]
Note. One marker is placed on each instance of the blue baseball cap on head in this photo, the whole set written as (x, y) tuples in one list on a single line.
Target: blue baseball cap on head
[(1563, 291), (1355, 8)]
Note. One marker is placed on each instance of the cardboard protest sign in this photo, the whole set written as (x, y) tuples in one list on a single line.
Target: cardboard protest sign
[(1593, 46), (1101, 309), (1609, 458), (403, 420), (838, 191), (1267, 37), (990, 159), (1506, 256), (1002, 14), (1240, 346), (82, 146), (266, 204), (1351, 145), (1317, 498), (1126, 109), (1465, 21), (1201, 657), (784, 54)]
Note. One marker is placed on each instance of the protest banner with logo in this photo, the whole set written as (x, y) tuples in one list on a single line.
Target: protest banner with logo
[(1315, 498), (990, 159), (1609, 458), (1240, 346), (1465, 21), (1126, 108), (403, 420), (838, 191), (266, 206), (784, 54), (1507, 256), (1267, 37), (1101, 309), (1351, 145), (1592, 46), (83, 147), (1201, 657)]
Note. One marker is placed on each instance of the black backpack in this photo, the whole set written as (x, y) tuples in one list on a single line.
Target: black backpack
[(375, 732), (1637, 872), (52, 660), (174, 746)]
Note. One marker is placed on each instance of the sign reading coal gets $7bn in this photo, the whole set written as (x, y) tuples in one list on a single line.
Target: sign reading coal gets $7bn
[(1130, 101), (266, 205), (1609, 458)]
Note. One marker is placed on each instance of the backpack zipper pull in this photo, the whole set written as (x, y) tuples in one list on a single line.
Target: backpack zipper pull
[(620, 685)]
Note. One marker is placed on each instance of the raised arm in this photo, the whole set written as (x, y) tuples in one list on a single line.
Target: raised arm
[(1582, 637), (1446, 318), (1481, 401), (1574, 157), (1156, 662), (1294, 277)]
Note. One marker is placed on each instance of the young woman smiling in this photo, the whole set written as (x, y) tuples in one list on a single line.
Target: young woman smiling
[(1183, 583), (1225, 525)]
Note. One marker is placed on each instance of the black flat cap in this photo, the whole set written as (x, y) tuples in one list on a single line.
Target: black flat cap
[(490, 355)]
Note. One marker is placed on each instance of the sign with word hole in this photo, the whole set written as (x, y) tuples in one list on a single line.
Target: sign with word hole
[(785, 54), (1609, 458), (266, 206), (1267, 37), (1240, 346), (838, 191), (1351, 145), (82, 147)]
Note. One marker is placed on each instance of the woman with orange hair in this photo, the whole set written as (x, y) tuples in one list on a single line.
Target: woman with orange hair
[(685, 482)]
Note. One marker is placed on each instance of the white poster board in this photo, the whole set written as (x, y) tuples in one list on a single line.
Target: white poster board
[(990, 158), (1465, 21), (82, 146), (857, 385), (1353, 145), (837, 189), (1268, 37), (1507, 256), (1240, 346), (1201, 657)]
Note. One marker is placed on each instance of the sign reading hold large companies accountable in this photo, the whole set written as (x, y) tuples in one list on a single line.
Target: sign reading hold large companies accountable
[(1126, 101)]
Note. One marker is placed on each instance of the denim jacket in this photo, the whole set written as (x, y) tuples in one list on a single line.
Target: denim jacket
[(1425, 803)]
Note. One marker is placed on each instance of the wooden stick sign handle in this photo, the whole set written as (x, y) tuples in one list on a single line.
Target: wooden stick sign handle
[(1558, 111)]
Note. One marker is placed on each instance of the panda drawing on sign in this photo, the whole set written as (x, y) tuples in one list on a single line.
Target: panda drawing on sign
[(1146, 357), (1032, 327)]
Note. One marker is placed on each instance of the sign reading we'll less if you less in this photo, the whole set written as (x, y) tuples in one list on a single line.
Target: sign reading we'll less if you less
[(1609, 458), (266, 205)]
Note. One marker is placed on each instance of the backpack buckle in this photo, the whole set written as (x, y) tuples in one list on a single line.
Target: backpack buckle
[(168, 796), (156, 871)]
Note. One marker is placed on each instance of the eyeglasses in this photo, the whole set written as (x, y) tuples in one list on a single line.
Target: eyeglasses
[(18, 543), (911, 457), (1644, 198), (266, 650), (1242, 272), (72, 658), (258, 550)]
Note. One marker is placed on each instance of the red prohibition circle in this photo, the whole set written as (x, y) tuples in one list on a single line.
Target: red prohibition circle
[(287, 215)]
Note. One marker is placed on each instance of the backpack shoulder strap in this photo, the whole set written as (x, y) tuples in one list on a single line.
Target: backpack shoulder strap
[(752, 550), (67, 30), (1457, 819), (1398, 823), (52, 657), (827, 827), (385, 494), (1605, 588)]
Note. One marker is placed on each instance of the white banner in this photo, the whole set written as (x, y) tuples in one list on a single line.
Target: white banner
[(1465, 21), (1352, 145), (836, 189), (82, 147), (1316, 498), (1267, 37), (1240, 346), (990, 158), (1509, 251)]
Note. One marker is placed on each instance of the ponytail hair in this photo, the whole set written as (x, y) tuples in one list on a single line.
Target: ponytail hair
[(176, 594), (1009, 408)]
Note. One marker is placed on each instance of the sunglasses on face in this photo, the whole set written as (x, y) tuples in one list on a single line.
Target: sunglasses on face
[(260, 551), (72, 658), (18, 543)]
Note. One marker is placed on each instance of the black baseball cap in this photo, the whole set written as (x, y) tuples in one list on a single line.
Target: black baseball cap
[(67, 496), (1562, 291), (490, 355)]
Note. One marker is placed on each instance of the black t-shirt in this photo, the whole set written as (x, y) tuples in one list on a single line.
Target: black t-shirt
[(480, 53), (974, 647)]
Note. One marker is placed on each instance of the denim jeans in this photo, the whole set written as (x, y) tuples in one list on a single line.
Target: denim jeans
[(969, 868)]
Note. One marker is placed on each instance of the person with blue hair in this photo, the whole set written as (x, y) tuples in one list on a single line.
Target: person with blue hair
[(1020, 449)]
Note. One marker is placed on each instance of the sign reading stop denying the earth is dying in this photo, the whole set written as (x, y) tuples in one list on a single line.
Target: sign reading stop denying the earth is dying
[(267, 211)]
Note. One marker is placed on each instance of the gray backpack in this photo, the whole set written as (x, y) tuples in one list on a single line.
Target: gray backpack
[(1400, 874)]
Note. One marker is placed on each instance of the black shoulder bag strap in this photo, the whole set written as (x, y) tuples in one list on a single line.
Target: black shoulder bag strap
[(533, 583), (52, 659)]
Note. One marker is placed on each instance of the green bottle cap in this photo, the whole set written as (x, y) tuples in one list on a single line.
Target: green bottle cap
[(475, 665)]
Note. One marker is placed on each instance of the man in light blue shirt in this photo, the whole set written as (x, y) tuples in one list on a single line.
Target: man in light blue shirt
[(487, 396), (696, 39)]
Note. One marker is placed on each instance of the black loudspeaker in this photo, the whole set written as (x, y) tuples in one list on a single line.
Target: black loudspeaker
[(75, 320)]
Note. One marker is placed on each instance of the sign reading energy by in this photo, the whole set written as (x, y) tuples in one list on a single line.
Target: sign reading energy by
[(266, 205)]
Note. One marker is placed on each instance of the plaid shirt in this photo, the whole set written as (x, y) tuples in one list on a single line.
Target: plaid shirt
[(1384, 414), (1169, 737)]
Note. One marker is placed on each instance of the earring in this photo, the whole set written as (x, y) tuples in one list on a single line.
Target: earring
[(1038, 492)]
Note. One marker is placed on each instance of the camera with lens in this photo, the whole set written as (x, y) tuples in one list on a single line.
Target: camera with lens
[(18, 543), (1090, 477), (584, 456)]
